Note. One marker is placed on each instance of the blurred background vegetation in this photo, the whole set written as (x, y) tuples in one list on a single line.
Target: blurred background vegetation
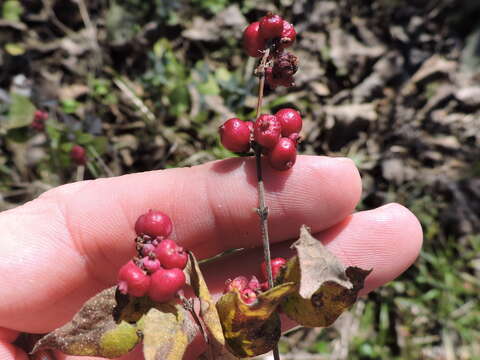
[(394, 85)]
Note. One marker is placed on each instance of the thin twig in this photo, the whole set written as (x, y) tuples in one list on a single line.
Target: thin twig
[(262, 208), (80, 173)]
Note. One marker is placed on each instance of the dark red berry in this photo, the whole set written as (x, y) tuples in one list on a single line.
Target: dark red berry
[(277, 264), (235, 135), (253, 43), (239, 283), (267, 130), (291, 121), (248, 296), (271, 26), (132, 280), (154, 223), (171, 255), (264, 286), (282, 157), (78, 154), (165, 283), (288, 35)]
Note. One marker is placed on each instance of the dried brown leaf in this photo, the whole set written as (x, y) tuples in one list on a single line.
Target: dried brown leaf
[(325, 288)]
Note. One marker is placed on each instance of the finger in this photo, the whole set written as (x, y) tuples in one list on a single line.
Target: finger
[(67, 245), (387, 240), (213, 205), (11, 352), (8, 335)]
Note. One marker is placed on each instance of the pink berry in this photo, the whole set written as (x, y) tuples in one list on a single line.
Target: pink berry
[(277, 264), (235, 135), (171, 255), (271, 26), (154, 223), (254, 284), (239, 283), (267, 130), (165, 283), (282, 157), (78, 154), (291, 121), (288, 35), (151, 265), (147, 249), (248, 296), (253, 43), (132, 280), (295, 137)]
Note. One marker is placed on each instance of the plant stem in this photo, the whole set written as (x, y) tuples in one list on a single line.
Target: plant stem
[(262, 208)]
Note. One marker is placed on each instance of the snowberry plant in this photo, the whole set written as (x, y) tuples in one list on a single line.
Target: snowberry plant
[(149, 302)]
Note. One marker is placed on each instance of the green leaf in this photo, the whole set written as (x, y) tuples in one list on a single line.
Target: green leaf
[(12, 10), (325, 288), (14, 49), (252, 329), (21, 112)]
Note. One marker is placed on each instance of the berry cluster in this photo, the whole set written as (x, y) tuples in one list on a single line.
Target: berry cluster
[(39, 118), (277, 135), (276, 34), (157, 271), (249, 289)]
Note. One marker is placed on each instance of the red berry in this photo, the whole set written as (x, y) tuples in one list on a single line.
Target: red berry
[(235, 135), (78, 154), (151, 265), (291, 121), (253, 43), (171, 255), (239, 283), (283, 155), (248, 296), (40, 115), (288, 35), (277, 264), (267, 130), (165, 283), (153, 223), (271, 26), (132, 280)]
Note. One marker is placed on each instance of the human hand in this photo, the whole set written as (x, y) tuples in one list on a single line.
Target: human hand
[(62, 248)]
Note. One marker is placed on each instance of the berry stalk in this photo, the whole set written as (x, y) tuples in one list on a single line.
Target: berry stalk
[(262, 209)]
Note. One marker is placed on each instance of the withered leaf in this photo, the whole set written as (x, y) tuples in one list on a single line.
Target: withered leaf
[(325, 288), (254, 329), (167, 331), (100, 328), (208, 311)]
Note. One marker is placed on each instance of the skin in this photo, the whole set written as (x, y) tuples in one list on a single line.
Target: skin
[(62, 248)]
